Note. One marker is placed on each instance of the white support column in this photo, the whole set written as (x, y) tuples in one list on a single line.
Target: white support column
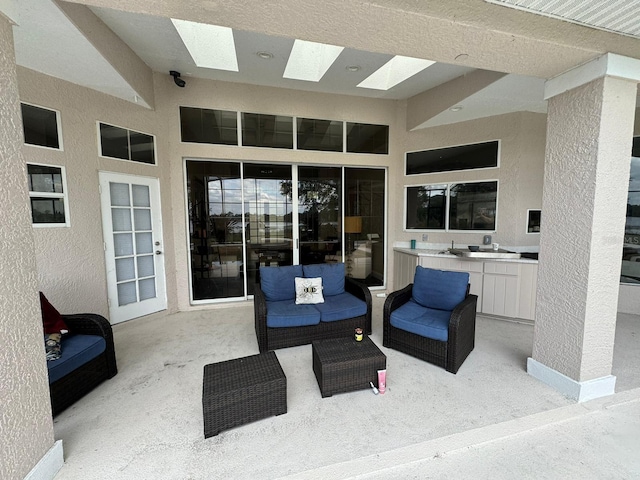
[(589, 134)]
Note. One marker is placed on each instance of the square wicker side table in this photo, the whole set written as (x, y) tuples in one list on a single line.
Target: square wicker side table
[(242, 390), (344, 365)]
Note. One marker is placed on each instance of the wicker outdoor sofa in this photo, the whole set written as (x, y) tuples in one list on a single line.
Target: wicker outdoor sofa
[(271, 338), (83, 378)]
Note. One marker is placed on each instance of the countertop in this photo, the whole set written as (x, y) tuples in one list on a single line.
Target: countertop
[(423, 252)]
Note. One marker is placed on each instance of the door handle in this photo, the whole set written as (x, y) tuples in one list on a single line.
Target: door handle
[(158, 252)]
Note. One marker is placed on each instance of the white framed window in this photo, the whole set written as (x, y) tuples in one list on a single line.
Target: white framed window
[(41, 126), (474, 156), (48, 195), (125, 144), (460, 206)]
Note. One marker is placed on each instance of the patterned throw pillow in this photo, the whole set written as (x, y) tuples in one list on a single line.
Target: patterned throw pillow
[(309, 290), (52, 346)]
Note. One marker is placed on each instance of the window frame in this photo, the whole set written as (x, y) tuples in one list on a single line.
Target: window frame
[(447, 207), (47, 195), (498, 156), (58, 127), (129, 131)]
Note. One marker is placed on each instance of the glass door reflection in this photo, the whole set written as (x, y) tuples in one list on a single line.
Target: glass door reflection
[(319, 214), (268, 219)]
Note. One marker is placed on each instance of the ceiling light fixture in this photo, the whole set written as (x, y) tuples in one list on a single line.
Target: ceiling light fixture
[(265, 55), (353, 68), (457, 108), (210, 46), (310, 60), (395, 71)]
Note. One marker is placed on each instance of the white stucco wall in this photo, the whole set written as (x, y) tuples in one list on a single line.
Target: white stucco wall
[(26, 428)]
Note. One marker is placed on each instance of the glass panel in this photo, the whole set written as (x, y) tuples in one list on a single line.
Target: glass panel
[(45, 179), (472, 206), (119, 194), (364, 224), (142, 147), (147, 288), (145, 266), (125, 269), (121, 219), (200, 125), (426, 207), (631, 248), (214, 192), (40, 126), (141, 196), (268, 212), (323, 135), (274, 131), (319, 214), (365, 138), (123, 244), (127, 293), (144, 243), (47, 210), (114, 141), (142, 219), (462, 157)]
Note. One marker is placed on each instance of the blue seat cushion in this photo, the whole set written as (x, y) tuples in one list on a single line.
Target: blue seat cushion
[(332, 277), (426, 322), (285, 313), (439, 289), (76, 351), (278, 283), (340, 307)]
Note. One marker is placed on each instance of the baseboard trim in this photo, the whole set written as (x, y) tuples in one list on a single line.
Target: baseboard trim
[(49, 465), (580, 391)]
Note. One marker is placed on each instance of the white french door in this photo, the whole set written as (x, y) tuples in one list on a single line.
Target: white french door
[(132, 228)]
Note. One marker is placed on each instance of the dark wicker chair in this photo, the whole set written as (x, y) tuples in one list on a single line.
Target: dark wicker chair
[(274, 338), (450, 354), (73, 386)]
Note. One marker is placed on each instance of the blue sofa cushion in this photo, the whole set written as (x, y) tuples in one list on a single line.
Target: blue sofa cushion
[(76, 351), (439, 289), (341, 307), (278, 283), (332, 277), (285, 313), (426, 322)]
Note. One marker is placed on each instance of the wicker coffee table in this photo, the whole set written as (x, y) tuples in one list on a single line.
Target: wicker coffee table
[(242, 390), (344, 365)]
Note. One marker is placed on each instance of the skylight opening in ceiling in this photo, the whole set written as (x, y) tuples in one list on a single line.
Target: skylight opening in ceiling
[(395, 71), (309, 61), (210, 46)]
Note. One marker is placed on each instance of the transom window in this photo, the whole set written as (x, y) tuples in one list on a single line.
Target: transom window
[(450, 159), (41, 126), (47, 193), (124, 144)]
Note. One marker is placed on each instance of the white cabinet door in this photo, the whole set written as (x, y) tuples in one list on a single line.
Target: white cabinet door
[(404, 270), (527, 291)]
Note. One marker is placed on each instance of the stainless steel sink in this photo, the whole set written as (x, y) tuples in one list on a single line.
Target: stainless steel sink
[(484, 253)]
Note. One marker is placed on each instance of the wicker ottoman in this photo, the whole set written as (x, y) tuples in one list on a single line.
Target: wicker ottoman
[(344, 365), (242, 390)]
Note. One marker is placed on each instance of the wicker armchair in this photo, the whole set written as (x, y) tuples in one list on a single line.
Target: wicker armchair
[(70, 388), (449, 354)]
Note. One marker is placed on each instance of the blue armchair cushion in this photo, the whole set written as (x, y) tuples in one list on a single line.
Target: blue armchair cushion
[(278, 283), (332, 277), (76, 351), (285, 313), (340, 307), (426, 322), (439, 289)]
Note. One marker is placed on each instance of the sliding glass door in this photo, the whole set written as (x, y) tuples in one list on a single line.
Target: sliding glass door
[(243, 216)]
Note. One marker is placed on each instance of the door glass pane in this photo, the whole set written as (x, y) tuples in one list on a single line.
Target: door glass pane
[(145, 266), (144, 243), (140, 196), (147, 288), (127, 293), (215, 228), (268, 213), (319, 214), (119, 194), (125, 269), (364, 224), (631, 248), (123, 244), (142, 219), (121, 218)]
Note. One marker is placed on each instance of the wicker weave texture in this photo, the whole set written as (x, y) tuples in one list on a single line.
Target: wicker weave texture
[(242, 390), (344, 365)]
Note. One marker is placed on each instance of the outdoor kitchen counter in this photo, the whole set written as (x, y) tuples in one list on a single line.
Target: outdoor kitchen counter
[(504, 286)]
